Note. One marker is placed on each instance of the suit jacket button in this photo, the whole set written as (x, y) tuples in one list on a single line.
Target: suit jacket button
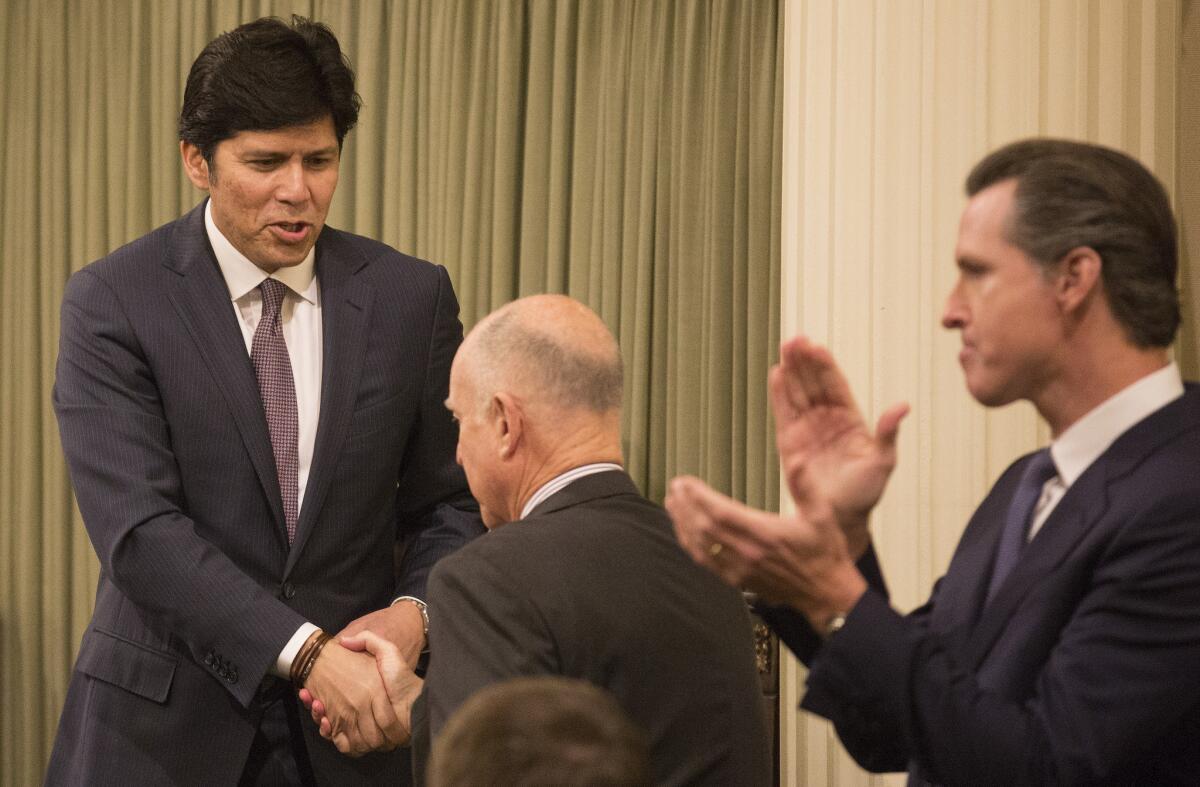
[(289, 590), (208, 659)]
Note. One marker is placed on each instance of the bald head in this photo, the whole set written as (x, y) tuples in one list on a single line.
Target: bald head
[(551, 351), (536, 388)]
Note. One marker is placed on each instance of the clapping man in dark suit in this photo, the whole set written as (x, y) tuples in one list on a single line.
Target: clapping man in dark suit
[(1061, 645), (251, 408), (580, 575)]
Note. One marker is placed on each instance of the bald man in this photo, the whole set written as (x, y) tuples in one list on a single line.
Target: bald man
[(585, 579)]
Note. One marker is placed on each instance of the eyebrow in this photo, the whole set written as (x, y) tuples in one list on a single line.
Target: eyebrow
[(268, 153)]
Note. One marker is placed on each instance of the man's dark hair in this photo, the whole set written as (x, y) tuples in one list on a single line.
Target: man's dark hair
[(544, 730), (1072, 194), (267, 75)]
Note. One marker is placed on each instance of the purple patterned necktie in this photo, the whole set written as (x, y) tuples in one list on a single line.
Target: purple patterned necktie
[(269, 354)]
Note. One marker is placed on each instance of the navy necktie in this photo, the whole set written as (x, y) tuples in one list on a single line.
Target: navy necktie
[(273, 368), (1038, 471)]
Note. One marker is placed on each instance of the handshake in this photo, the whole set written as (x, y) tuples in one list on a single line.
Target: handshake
[(360, 686)]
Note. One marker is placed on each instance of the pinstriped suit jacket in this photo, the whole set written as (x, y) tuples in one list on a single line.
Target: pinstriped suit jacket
[(170, 457)]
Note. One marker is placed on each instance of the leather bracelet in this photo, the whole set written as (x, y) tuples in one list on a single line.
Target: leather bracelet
[(307, 657), (302, 656), (316, 651)]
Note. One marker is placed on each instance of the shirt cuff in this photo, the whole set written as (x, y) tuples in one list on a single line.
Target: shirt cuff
[(283, 664)]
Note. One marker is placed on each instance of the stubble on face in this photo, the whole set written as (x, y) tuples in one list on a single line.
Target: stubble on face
[(1003, 304), (271, 190)]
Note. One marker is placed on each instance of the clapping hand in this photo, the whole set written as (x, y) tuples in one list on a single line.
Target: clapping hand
[(833, 465)]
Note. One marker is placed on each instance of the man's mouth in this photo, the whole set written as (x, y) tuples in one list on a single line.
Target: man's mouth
[(291, 231)]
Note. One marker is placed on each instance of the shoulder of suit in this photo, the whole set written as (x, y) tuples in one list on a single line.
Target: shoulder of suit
[(138, 255), (340, 242)]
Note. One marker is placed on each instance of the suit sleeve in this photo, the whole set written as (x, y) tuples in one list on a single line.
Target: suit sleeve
[(792, 628), (484, 628), (896, 690), (117, 443), (436, 513)]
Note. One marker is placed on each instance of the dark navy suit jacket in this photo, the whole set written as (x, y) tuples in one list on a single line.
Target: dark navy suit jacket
[(168, 449), (1085, 668)]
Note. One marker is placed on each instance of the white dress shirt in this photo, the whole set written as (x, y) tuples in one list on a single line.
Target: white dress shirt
[(302, 332), (1089, 437)]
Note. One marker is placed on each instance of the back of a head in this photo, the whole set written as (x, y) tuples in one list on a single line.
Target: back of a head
[(551, 348), (537, 732), (1074, 194), (266, 75)]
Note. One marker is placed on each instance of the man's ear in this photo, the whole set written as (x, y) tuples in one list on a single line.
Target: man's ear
[(1078, 277), (508, 421), (195, 165)]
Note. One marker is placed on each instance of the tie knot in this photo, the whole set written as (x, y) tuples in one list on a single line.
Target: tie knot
[(1040, 469), (273, 291)]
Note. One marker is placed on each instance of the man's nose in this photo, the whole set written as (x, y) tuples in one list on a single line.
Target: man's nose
[(953, 313), (292, 187)]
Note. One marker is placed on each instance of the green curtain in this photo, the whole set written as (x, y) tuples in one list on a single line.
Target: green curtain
[(626, 153)]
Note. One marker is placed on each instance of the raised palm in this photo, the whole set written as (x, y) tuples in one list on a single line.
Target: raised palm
[(831, 461)]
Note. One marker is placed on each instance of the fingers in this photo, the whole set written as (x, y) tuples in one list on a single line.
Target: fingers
[(812, 376), (380, 648), (782, 406), (353, 642), (888, 428), (719, 533)]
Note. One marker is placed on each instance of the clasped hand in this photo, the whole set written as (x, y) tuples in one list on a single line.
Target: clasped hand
[(361, 689)]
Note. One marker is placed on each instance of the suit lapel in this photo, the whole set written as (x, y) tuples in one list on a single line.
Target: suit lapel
[(345, 310), (1083, 504), (201, 299), (961, 591), (1080, 509)]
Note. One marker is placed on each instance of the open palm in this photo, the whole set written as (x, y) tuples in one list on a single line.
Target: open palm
[(831, 460)]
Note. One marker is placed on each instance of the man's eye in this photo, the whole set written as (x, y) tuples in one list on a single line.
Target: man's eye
[(319, 163)]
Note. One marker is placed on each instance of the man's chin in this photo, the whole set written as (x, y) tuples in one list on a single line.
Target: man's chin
[(990, 395), (274, 262)]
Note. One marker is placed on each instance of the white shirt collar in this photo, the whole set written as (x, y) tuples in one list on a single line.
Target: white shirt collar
[(1090, 436), (242, 276), (562, 480)]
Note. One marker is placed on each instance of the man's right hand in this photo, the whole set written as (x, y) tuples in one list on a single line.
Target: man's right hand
[(831, 460), (355, 701), (401, 683)]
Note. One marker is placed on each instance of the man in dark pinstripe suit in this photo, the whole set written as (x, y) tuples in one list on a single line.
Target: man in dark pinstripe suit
[(251, 408)]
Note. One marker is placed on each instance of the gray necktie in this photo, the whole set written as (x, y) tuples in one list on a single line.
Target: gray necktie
[(1038, 471), (273, 368)]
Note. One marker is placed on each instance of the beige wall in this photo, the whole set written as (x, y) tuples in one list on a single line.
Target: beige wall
[(887, 105)]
